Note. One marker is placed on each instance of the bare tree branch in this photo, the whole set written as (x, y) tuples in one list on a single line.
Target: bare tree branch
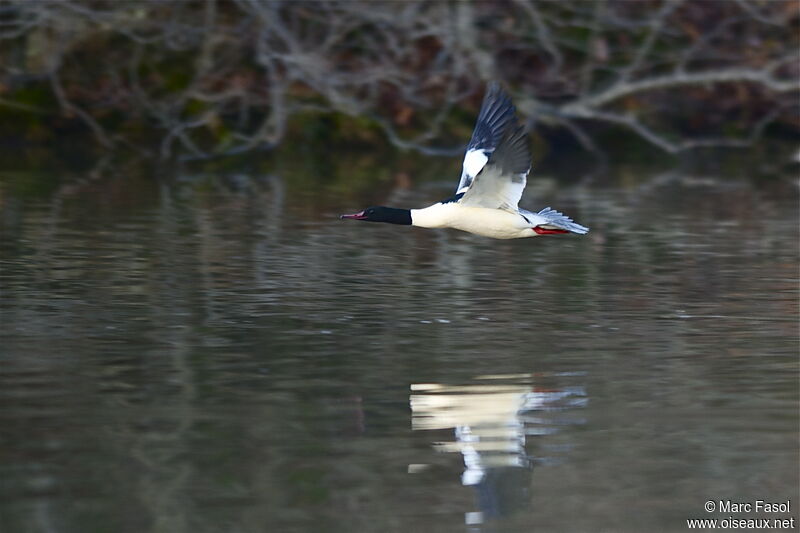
[(678, 79), (224, 77), (656, 24)]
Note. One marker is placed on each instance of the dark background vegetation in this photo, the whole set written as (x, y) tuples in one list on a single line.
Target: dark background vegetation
[(211, 77)]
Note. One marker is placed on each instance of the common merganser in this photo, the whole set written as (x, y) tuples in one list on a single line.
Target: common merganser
[(494, 174)]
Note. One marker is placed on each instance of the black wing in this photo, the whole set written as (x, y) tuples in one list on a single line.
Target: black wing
[(502, 179), (496, 117)]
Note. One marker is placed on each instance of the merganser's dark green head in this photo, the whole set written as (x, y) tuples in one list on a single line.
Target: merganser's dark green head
[(379, 213)]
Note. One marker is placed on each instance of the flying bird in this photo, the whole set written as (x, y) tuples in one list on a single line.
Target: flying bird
[(495, 172)]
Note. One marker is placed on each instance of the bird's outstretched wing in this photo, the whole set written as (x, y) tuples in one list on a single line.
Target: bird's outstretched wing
[(494, 120), (498, 159), (500, 183)]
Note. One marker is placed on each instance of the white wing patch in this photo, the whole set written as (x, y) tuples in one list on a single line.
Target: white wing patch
[(474, 161), (495, 190)]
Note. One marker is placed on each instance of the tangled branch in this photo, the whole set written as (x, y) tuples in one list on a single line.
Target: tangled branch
[(226, 77)]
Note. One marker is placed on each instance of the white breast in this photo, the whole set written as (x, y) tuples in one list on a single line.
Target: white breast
[(494, 223)]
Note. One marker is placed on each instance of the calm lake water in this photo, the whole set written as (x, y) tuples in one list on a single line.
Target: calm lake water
[(220, 353)]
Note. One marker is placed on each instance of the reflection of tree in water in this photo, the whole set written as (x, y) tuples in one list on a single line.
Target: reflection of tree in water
[(492, 421)]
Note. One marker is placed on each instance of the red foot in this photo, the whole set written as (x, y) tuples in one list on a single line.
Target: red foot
[(542, 231)]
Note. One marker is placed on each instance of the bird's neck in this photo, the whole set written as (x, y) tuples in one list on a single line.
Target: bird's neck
[(398, 216)]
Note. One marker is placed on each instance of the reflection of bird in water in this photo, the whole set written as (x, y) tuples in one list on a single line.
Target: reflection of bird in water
[(494, 175), (490, 433)]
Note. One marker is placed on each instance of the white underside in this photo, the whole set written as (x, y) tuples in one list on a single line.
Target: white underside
[(494, 223)]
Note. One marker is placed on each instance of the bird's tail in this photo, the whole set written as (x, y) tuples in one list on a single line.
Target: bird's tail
[(561, 221)]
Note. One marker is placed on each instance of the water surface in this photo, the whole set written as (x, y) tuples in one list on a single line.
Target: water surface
[(221, 353)]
